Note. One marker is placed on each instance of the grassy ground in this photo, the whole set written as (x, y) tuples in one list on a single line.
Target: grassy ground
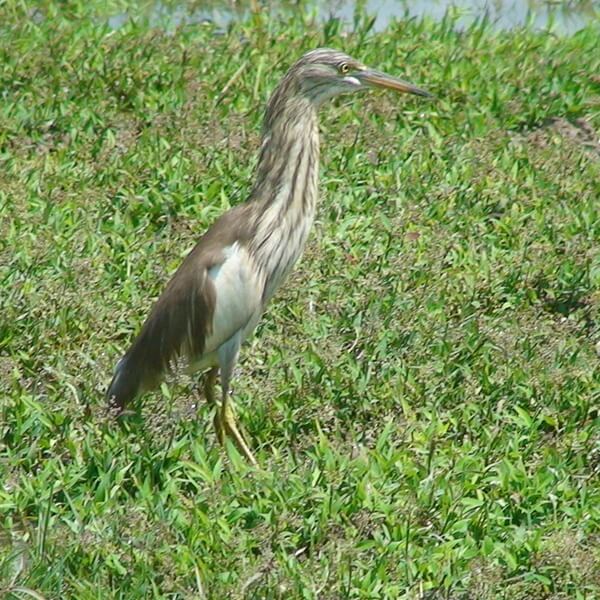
[(423, 393)]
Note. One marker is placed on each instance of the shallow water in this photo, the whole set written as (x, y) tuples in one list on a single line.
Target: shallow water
[(562, 17)]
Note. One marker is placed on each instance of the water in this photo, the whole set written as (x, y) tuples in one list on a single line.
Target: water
[(502, 14), (563, 17)]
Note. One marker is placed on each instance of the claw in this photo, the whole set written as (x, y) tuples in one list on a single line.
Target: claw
[(225, 425)]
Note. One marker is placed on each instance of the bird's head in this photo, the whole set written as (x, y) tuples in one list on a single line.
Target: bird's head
[(325, 73)]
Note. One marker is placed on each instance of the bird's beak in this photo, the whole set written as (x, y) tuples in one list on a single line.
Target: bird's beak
[(379, 79)]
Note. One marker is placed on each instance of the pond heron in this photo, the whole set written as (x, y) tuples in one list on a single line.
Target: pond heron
[(217, 296)]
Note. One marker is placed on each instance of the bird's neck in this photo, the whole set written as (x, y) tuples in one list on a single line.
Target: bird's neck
[(287, 167), (285, 192)]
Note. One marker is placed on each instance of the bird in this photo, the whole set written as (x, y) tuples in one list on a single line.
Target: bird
[(218, 294)]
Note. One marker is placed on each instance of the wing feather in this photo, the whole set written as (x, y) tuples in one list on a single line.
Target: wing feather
[(201, 307)]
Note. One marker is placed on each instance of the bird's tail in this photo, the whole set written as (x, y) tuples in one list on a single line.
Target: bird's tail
[(136, 372), (125, 384), (144, 365), (184, 307)]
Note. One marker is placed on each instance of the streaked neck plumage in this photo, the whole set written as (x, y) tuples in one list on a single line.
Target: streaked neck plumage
[(285, 193)]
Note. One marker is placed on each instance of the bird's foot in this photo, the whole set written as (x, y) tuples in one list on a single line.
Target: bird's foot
[(226, 425)]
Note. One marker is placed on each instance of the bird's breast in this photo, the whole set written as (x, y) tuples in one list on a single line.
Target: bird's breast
[(238, 288), (286, 247)]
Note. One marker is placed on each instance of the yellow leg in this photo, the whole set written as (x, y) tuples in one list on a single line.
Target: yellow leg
[(224, 421), (209, 386), (225, 424), (209, 393), (228, 426), (224, 416)]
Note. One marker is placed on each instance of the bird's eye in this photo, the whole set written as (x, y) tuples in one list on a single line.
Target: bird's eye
[(344, 68)]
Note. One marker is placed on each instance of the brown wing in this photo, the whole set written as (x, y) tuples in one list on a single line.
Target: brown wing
[(181, 320)]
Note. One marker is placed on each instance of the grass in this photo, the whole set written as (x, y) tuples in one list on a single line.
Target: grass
[(423, 392)]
